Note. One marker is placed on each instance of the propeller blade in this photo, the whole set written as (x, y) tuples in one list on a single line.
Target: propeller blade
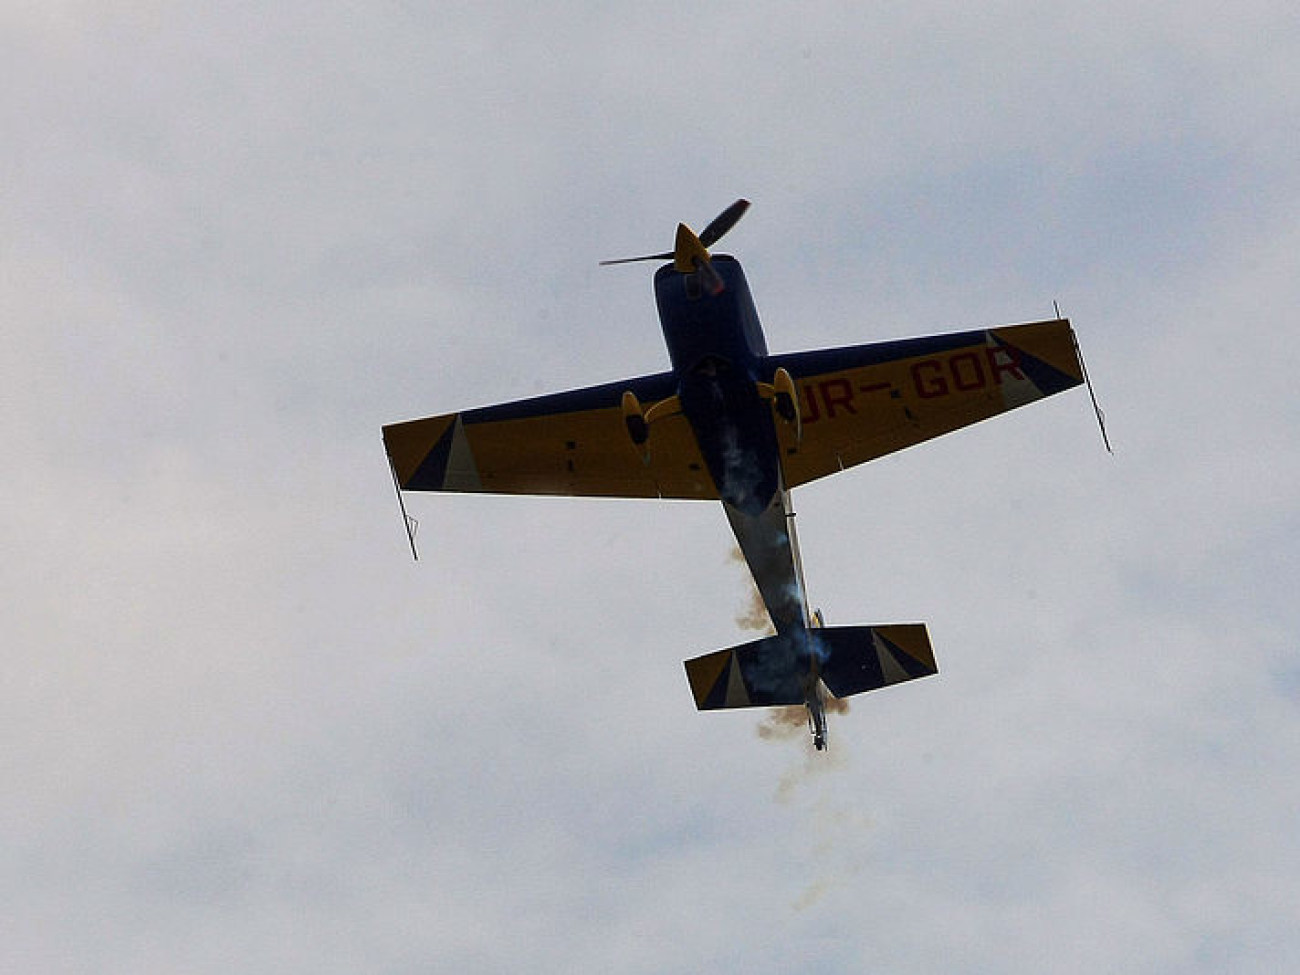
[(685, 256), (632, 260), (723, 222), (710, 278)]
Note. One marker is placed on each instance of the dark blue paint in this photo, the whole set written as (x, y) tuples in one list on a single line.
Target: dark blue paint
[(649, 389), (718, 352)]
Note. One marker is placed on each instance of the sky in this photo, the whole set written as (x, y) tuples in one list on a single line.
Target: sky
[(241, 729)]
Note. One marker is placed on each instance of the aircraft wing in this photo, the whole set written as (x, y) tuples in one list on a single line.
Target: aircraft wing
[(861, 402), (572, 443)]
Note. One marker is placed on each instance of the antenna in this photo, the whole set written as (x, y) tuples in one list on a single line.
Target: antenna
[(1087, 381), (1101, 417), (412, 526)]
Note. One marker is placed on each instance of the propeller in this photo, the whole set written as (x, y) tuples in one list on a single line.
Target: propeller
[(691, 253), (723, 222)]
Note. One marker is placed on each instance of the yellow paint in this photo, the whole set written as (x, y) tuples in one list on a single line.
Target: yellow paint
[(704, 674), (585, 453), (687, 250), (876, 410), (913, 639), (409, 443)]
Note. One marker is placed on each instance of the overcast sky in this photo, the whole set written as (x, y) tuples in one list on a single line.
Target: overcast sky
[(241, 730)]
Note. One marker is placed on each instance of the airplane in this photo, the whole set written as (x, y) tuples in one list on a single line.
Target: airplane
[(731, 422)]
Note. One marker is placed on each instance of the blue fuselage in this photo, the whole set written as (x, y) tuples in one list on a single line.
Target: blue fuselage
[(717, 349), (720, 357)]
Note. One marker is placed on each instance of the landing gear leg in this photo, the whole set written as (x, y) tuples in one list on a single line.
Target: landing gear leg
[(817, 721)]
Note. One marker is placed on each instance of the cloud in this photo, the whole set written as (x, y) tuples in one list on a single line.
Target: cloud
[(241, 724)]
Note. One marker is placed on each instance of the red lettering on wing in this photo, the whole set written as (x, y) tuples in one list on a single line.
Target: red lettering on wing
[(1004, 359), (928, 378), (967, 371), (811, 412), (837, 393)]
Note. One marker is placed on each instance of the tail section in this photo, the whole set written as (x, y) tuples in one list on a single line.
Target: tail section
[(866, 658), (764, 673), (785, 668)]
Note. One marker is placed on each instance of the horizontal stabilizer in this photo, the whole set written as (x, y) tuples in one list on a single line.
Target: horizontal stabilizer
[(764, 673), (866, 658), (781, 669)]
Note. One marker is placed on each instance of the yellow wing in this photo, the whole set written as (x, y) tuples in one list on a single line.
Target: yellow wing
[(862, 402), (572, 443)]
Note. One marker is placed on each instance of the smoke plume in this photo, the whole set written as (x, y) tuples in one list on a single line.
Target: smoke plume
[(754, 616), (780, 724)]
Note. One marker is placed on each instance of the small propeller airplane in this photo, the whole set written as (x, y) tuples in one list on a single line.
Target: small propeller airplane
[(729, 422)]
